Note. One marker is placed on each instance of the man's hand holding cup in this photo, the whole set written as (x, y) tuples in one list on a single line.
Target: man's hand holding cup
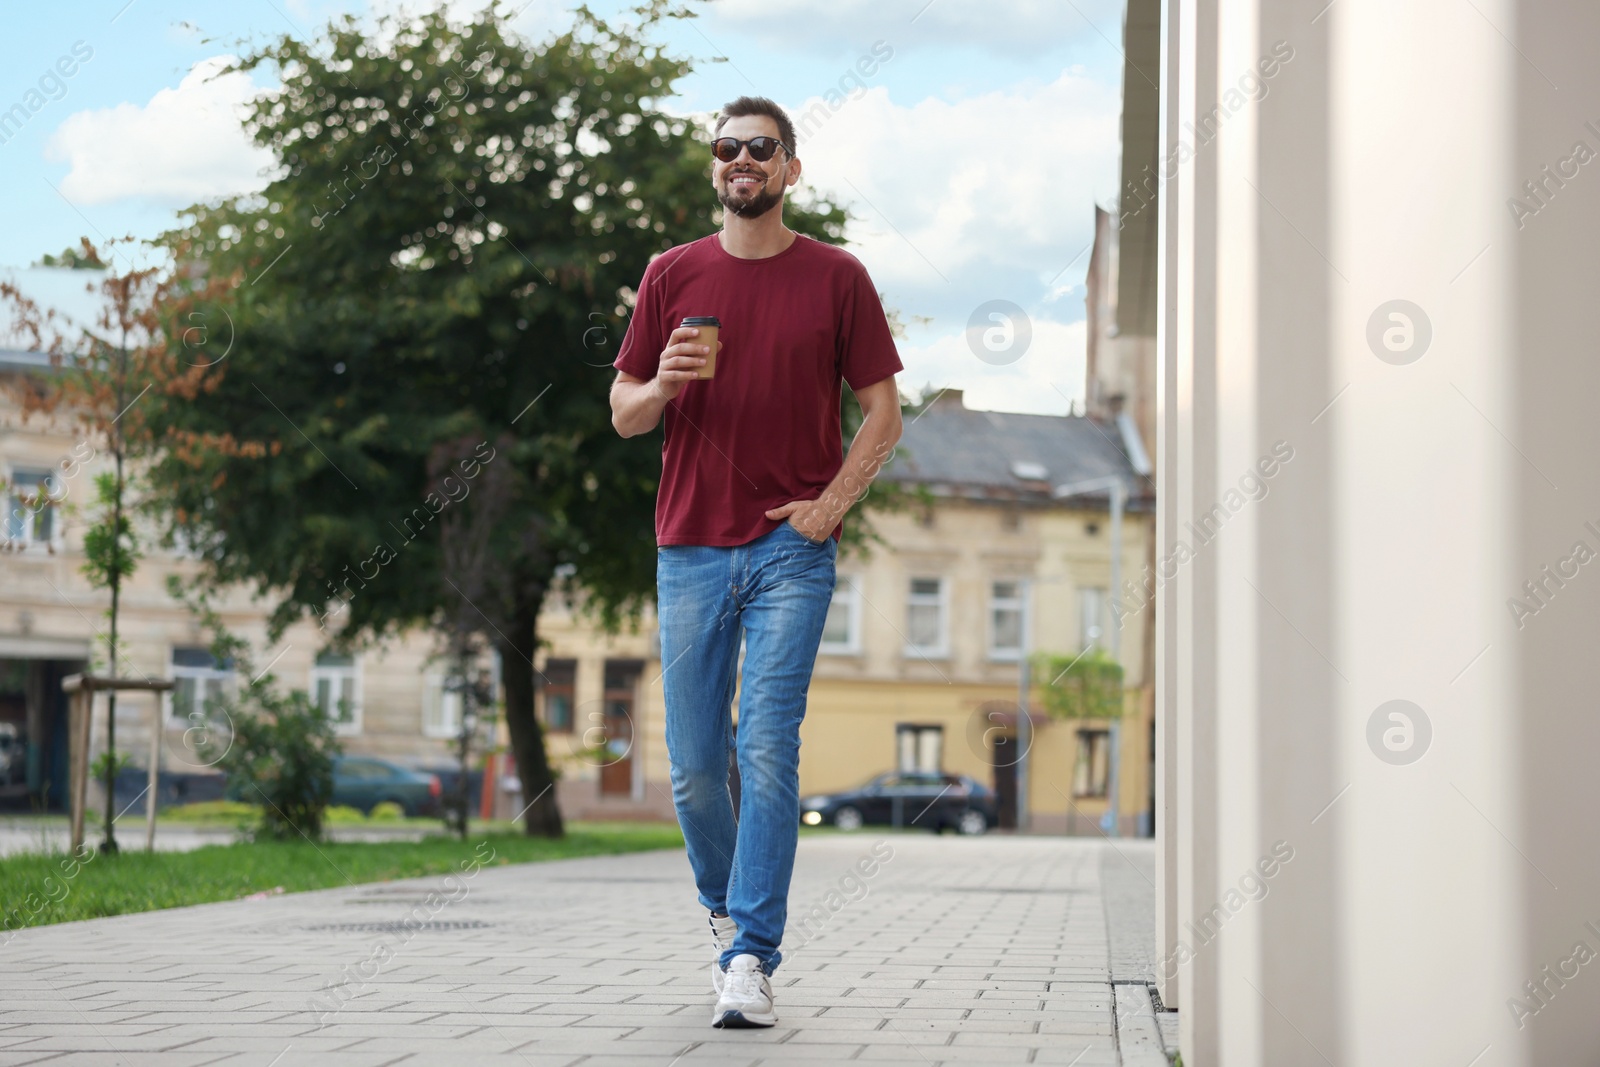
[(681, 361)]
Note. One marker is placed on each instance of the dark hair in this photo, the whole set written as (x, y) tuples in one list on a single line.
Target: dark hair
[(758, 105)]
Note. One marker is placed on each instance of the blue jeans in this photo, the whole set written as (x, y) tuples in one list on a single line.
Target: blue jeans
[(775, 590)]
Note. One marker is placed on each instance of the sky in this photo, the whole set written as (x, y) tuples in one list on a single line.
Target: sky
[(970, 160)]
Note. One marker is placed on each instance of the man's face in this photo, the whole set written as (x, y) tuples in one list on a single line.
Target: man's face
[(746, 188)]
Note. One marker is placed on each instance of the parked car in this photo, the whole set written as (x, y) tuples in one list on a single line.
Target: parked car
[(364, 782), (448, 772), (13, 754), (937, 802)]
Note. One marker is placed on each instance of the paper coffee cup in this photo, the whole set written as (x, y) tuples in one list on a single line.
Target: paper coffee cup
[(709, 326)]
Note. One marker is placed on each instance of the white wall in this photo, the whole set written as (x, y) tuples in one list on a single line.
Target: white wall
[(1424, 489)]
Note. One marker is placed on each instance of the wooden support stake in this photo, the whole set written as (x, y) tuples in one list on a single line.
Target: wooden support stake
[(155, 777), (79, 709)]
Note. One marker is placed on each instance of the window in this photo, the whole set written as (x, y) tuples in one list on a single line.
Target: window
[(841, 633), (920, 749), (1007, 619), (1091, 774), (335, 690), (925, 618), (557, 687), (31, 508), (441, 707), (364, 769), (198, 679), (1091, 617)]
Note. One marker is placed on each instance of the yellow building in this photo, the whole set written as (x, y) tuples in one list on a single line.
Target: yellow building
[(920, 660)]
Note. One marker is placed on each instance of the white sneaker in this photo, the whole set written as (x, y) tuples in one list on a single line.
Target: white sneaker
[(723, 930), (746, 998)]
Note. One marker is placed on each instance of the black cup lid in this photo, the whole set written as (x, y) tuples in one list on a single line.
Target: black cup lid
[(702, 320)]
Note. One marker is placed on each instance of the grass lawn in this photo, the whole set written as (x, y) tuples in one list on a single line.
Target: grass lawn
[(37, 889)]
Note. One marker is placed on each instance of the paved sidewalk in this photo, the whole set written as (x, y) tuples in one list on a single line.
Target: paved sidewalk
[(995, 950)]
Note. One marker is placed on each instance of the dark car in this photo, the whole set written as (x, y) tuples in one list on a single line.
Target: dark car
[(936, 802), (448, 772), (364, 782)]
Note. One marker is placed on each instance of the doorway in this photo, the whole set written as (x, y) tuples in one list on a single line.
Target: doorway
[(1005, 757), (621, 692)]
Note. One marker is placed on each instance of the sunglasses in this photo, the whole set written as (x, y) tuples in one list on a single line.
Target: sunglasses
[(761, 148)]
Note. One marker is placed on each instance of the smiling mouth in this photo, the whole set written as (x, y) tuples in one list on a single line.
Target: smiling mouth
[(745, 178)]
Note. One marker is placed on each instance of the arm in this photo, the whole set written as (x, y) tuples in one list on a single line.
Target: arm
[(636, 404), (874, 441)]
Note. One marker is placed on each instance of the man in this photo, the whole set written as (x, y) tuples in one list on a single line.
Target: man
[(753, 488)]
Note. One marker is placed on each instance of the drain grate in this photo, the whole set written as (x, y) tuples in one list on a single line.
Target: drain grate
[(1003, 889), (397, 927)]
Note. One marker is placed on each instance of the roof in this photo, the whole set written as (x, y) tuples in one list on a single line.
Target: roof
[(13, 359), (1001, 455)]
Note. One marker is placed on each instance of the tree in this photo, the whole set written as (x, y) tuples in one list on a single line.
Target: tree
[(82, 258), (1088, 686), (99, 374), (447, 253), (469, 567)]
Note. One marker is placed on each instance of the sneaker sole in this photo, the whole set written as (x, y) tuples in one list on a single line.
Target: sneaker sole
[(738, 1020)]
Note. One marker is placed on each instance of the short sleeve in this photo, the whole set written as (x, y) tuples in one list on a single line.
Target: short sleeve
[(866, 347), (640, 355)]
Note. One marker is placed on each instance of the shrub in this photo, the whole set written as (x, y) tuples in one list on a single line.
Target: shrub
[(212, 812), (280, 749), (281, 758), (388, 811)]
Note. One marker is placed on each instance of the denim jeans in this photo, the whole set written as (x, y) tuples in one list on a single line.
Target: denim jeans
[(775, 590)]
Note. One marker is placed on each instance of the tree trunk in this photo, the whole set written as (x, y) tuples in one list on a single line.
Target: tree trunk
[(115, 574), (542, 816)]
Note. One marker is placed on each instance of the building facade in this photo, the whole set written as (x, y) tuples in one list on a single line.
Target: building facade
[(919, 668), (390, 700)]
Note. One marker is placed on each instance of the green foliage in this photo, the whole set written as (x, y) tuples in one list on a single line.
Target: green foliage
[(434, 285), (110, 547), (211, 813), (85, 257), (343, 815), (108, 765), (281, 754), (457, 231), (388, 811), (279, 748), (1079, 687)]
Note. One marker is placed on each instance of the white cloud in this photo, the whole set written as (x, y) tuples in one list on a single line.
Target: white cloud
[(965, 202), (185, 145), (1045, 381), (1007, 28), (1005, 179)]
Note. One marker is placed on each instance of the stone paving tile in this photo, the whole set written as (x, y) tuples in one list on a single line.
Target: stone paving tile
[(996, 950), (100, 1057)]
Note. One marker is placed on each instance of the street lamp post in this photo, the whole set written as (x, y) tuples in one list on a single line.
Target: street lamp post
[(1119, 499)]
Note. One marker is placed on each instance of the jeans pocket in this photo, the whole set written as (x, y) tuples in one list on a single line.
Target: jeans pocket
[(814, 544)]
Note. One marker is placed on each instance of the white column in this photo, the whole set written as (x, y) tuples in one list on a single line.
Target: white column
[(1194, 484), (1166, 443), (1428, 459)]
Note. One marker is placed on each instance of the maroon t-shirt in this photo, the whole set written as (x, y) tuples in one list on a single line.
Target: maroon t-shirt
[(766, 429)]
